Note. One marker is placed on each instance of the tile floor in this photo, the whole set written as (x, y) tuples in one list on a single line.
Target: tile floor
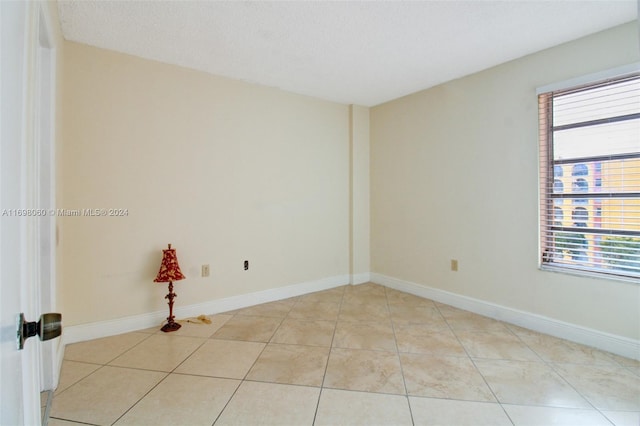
[(351, 355)]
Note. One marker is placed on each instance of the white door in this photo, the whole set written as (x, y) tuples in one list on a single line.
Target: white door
[(22, 120)]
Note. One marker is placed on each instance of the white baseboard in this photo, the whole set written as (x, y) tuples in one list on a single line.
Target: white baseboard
[(95, 330), (619, 345), (360, 278)]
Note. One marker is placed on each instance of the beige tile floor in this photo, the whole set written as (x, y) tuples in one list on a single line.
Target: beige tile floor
[(351, 355)]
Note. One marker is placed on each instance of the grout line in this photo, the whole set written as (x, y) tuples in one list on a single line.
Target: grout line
[(549, 364), (244, 379), (476, 367), (100, 367), (74, 421), (127, 350), (395, 339), (141, 398), (326, 367), (240, 382), (204, 340)]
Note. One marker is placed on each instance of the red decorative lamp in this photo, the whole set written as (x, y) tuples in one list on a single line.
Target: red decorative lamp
[(168, 273)]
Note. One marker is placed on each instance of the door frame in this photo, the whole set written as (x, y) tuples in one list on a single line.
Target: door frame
[(43, 179)]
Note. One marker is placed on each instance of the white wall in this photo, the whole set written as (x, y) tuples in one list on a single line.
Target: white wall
[(223, 170), (455, 176)]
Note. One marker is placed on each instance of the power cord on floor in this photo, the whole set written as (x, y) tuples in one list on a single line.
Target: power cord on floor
[(200, 319)]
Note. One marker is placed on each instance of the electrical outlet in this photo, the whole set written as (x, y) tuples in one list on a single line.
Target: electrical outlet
[(454, 265), (246, 265), (205, 270)]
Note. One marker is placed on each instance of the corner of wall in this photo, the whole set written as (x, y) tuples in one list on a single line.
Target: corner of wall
[(359, 192)]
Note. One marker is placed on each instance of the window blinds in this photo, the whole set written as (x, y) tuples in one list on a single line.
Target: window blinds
[(590, 177)]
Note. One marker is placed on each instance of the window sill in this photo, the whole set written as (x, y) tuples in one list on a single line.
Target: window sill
[(588, 274)]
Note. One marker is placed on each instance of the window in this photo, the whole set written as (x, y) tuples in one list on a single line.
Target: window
[(593, 130), (580, 170), (598, 167), (558, 216), (557, 171), (558, 186), (580, 185), (580, 217)]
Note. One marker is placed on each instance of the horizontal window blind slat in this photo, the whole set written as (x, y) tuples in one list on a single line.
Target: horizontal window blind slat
[(615, 159), (596, 121), (579, 230), (594, 195)]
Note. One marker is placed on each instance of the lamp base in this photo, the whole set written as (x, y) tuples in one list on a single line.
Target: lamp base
[(171, 326)]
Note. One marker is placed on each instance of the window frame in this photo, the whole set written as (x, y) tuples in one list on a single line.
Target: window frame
[(547, 166)]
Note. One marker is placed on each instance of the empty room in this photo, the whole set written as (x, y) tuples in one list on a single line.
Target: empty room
[(320, 213)]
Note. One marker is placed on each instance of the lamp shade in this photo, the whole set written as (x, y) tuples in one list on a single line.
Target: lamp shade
[(169, 268)]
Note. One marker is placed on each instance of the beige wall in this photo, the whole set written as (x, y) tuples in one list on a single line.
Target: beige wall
[(223, 170), (454, 176)]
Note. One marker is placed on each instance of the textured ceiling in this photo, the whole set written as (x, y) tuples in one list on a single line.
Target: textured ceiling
[(363, 53)]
